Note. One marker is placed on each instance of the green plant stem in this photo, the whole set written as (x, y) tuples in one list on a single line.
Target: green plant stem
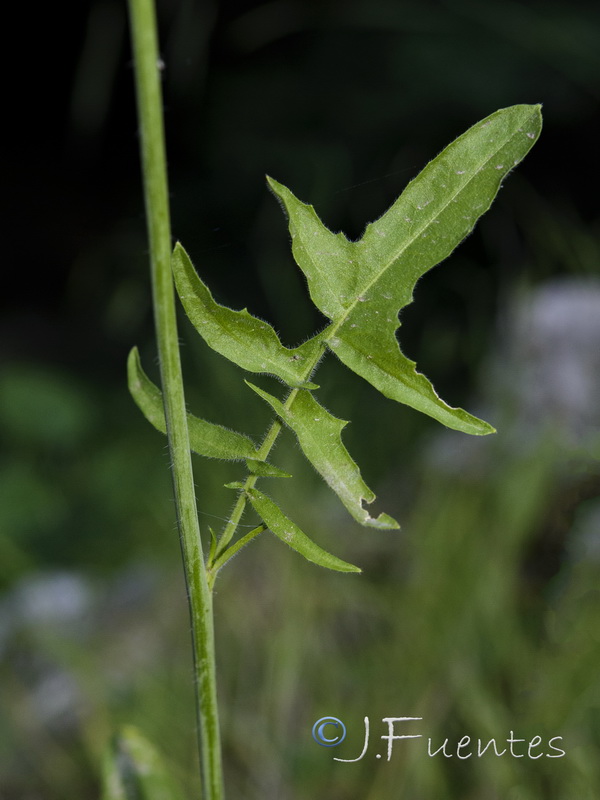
[(149, 98)]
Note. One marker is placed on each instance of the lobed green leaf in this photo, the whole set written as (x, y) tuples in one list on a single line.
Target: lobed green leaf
[(248, 341), (319, 436), (279, 524), (361, 286), (206, 438), (133, 770)]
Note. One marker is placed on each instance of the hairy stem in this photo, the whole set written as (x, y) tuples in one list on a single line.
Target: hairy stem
[(240, 505), (149, 99)]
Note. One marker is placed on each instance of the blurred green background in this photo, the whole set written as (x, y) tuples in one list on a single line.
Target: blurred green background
[(482, 615)]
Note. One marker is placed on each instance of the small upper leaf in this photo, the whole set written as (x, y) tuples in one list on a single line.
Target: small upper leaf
[(290, 533), (206, 438), (361, 286), (320, 437), (249, 342), (265, 470)]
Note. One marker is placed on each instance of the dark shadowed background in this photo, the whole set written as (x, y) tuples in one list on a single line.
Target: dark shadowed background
[(482, 615)]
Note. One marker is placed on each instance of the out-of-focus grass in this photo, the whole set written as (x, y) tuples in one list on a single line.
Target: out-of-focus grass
[(446, 625), (461, 618)]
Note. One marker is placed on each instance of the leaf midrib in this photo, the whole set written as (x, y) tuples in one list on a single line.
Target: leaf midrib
[(337, 324)]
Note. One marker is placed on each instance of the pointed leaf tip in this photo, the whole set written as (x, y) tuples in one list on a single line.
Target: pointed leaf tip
[(286, 530)]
